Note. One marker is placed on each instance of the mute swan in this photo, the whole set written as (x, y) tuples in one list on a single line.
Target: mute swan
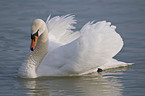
[(62, 52)]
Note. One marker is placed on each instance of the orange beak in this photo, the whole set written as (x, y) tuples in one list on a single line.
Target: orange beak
[(33, 43)]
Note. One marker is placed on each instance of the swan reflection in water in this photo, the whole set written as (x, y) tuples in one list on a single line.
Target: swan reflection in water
[(102, 84)]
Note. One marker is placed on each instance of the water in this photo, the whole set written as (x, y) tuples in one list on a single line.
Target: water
[(15, 20)]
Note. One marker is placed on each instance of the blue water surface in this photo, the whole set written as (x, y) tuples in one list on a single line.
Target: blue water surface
[(16, 17)]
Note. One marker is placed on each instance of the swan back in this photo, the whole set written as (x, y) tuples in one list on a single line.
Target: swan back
[(97, 44)]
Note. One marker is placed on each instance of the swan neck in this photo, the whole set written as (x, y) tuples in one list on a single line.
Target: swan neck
[(29, 68), (41, 48)]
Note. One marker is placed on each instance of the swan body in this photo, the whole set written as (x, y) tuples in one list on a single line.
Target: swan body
[(62, 52)]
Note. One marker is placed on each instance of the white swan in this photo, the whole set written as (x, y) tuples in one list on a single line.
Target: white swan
[(61, 52)]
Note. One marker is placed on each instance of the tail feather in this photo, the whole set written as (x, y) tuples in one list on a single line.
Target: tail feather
[(114, 64)]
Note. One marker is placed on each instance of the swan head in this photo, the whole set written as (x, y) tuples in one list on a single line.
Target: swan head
[(37, 28)]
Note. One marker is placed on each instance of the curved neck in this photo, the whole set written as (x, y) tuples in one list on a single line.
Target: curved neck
[(41, 48), (29, 68)]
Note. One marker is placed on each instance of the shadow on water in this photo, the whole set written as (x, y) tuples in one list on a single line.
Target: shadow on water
[(103, 84)]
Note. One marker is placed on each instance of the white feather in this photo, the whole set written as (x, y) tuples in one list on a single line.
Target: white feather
[(75, 53), (60, 30)]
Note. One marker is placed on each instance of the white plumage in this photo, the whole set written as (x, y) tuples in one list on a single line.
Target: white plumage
[(71, 53)]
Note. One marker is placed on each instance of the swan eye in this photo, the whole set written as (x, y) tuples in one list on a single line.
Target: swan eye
[(33, 35)]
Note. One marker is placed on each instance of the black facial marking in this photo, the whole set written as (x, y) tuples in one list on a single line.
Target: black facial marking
[(99, 70), (33, 35)]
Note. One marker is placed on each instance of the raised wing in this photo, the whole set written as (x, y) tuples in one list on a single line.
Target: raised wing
[(60, 30), (101, 37)]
